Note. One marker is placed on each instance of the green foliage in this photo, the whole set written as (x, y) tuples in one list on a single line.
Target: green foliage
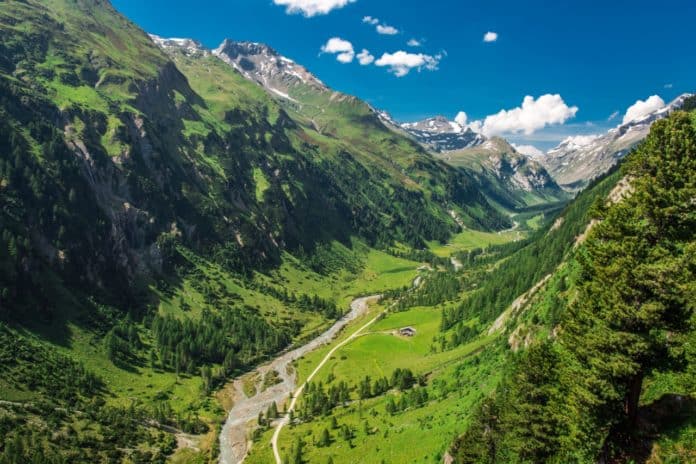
[(526, 266), (65, 417), (689, 104), (120, 168), (438, 288), (27, 364), (575, 398), (236, 334)]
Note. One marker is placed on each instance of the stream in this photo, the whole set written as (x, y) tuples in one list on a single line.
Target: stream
[(234, 438)]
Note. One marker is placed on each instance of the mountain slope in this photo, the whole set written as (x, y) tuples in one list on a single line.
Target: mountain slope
[(345, 123), (157, 160), (513, 180), (578, 160), (600, 368), (508, 178), (453, 357), (334, 114), (165, 222)]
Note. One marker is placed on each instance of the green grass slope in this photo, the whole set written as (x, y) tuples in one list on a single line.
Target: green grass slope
[(601, 361), (164, 224)]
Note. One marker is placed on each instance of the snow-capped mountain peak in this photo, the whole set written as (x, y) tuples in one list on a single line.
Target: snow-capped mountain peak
[(440, 134), (188, 46), (261, 63), (577, 160)]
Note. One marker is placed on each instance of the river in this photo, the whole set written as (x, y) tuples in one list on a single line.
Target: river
[(234, 438)]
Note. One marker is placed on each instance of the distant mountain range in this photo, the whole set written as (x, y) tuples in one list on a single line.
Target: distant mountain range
[(571, 165), (578, 160), (506, 176), (440, 134), (513, 178)]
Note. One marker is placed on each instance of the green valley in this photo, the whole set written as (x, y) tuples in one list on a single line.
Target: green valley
[(211, 256)]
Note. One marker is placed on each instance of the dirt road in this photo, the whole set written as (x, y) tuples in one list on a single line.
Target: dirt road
[(284, 421)]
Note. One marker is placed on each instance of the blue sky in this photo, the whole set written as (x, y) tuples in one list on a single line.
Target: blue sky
[(599, 56)]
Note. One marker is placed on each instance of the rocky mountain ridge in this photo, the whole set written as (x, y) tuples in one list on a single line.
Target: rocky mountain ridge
[(441, 135), (578, 160)]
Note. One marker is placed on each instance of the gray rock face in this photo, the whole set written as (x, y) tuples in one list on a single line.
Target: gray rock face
[(579, 160), (514, 170), (262, 64)]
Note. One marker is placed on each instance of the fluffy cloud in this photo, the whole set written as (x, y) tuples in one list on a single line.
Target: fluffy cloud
[(365, 57), (311, 8), (490, 36), (414, 43), (613, 116), (461, 118), (386, 30), (531, 116), (341, 48), (401, 63), (380, 27), (580, 140), (529, 150), (642, 108)]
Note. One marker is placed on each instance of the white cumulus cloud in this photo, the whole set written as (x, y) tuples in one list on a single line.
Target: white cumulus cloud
[(490, 36), (401, 63), (580, 140), (386, 30), (365, 57), (461, 118), (642, 108), (311, 8), (534, 114), (341, 48), (529, 150), (380, 27), (414, 43)]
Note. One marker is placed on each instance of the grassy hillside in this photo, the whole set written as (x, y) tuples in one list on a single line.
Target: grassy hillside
[(509, 374), (604, 349), (508, 178), (455, 361), (165, 225)]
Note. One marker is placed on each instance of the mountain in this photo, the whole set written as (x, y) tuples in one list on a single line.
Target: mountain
[(600, 362), (509, 178), (440, 134), (326, 111), (190, 150), (166, 223), (512, 179), (337, 121), (262, 64), (578, 160), (165, 218), (174, 217)]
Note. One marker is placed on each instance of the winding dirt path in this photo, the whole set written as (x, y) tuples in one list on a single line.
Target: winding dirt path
[(234, 438), (284, 421)]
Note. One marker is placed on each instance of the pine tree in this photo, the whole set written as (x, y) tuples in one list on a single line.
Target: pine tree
[(637, 291), (297, 452), (324, 439)]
